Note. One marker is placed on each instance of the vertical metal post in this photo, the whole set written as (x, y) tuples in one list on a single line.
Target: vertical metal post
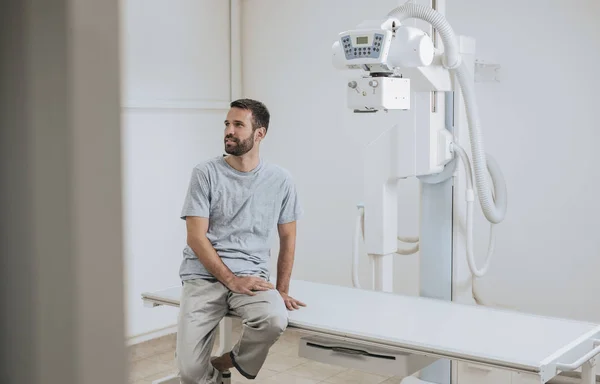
[(588, 372), (435, 245), (435, 248), (383, 277), (435, 39)]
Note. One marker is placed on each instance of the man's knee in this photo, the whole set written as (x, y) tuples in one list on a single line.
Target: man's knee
[(272, 321), (276, 323)]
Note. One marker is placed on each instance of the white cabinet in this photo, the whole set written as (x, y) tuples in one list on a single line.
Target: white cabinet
[(525, 378), (469, 373)]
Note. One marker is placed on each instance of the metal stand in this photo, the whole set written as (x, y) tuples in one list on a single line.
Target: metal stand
[(436, 259), (587, 363), (588, 372), (435, 252), (226, 377), (384, 265)]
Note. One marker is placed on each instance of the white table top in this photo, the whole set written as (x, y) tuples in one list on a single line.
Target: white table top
[(477, 333)]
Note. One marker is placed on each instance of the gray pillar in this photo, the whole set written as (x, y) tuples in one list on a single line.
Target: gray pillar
[(61, 270), (435, 251), (435, 243)]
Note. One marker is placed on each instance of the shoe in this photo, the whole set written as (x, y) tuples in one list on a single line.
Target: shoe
[(222, 377)]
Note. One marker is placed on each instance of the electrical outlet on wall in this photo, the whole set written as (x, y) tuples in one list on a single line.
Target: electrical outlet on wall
[(486, 72)]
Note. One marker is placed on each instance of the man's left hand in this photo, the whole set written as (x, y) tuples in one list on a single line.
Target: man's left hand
[(290, 302)]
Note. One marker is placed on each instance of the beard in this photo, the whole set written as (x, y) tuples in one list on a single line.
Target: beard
[(237, 147)]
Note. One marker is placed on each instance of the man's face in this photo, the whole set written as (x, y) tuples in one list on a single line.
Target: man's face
[(239, 135)]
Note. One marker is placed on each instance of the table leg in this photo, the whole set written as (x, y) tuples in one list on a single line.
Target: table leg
[(588, 372)]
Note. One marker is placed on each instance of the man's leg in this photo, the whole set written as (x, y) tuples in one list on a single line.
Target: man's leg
[(203, 305), (264, 318)]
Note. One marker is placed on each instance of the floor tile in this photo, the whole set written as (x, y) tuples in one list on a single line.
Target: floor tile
[(281, 363), (160, 375), (237, 378), (167, 358), (156, 359), (353, 376), (141, 369), (285, 347), (140, 351), (315, 370), (393, 380), (288, 379)]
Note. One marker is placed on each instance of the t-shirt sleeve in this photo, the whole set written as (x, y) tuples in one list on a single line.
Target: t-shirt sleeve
[(291, 210), (197, 199)]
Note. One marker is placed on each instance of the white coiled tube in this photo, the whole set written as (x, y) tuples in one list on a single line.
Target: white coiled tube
[(470, 196), (359, 234), (493, 207), (408, 251)]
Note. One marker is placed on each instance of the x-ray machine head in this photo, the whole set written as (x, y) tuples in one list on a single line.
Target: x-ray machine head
[(394, 63)]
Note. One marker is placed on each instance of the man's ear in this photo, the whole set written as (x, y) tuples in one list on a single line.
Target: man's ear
[(261, 133)]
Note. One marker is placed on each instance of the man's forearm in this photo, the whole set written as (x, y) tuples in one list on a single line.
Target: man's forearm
[(209, 258), (285, 262)]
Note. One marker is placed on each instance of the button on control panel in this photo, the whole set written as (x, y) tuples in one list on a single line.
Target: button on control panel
[(367, 46)]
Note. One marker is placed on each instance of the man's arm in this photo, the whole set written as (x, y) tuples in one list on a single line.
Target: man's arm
[(285, 262), (206, 253)]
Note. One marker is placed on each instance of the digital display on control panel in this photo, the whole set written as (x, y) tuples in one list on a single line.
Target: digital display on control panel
[(362, 40)]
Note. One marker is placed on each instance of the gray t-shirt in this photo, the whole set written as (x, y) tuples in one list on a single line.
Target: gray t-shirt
[(243, 209)]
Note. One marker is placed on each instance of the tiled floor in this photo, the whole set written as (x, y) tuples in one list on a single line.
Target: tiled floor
[(155, 359)]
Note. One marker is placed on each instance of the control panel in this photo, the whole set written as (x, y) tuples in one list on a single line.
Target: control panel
[(366, 45)]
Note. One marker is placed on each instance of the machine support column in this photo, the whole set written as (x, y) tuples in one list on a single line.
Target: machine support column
[(435, 239), (436, 229), (384, 266)]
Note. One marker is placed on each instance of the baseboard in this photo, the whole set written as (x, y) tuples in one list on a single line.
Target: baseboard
[(137, 339)]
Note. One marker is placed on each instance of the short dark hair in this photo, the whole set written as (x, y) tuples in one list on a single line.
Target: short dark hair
[(260, 113)]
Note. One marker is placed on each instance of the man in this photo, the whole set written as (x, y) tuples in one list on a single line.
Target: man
[(233, 205)]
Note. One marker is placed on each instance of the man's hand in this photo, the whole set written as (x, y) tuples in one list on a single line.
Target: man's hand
[(290, 302), (248, 284)]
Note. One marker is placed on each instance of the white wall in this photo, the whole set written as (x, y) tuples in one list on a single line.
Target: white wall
[(539, 123), (174, 104), (175, 100), (315, 136)]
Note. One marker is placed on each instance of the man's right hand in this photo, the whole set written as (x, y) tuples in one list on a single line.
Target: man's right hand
[(248, 285)]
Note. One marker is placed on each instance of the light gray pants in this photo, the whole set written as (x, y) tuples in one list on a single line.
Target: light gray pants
[(203, 305)]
